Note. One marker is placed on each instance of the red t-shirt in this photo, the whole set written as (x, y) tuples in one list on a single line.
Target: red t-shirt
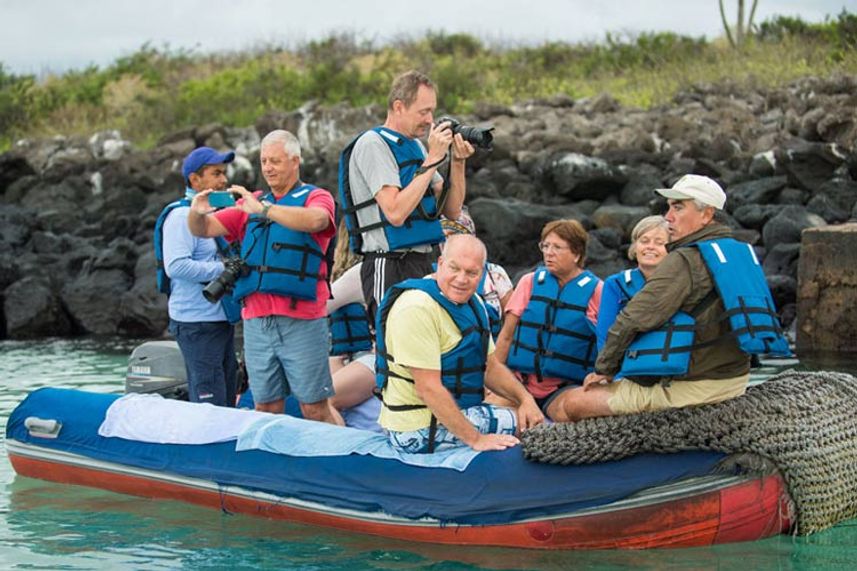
[(260, 304), (518, 302)]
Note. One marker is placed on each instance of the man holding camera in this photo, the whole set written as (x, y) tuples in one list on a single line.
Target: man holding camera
[(283, 286), (391, 191), (204, 330)]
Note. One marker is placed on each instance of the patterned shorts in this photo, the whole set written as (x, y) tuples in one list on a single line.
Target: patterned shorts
[(487, 419)]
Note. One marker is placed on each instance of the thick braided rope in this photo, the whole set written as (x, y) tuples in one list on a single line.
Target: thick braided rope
[(805, 423)]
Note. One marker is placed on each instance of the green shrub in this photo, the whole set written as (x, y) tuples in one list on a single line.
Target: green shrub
[(14, 105), (153, 91), (237, 96)]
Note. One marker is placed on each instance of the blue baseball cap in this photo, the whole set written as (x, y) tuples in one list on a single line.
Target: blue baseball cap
[(202, 156)]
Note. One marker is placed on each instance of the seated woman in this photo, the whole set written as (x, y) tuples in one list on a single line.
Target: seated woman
[(548, 335), (648, 247)]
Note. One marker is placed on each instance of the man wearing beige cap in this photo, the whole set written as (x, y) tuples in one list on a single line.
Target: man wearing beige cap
[(717, 368)]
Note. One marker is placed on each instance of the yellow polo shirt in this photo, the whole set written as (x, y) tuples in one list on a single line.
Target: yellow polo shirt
[(418, 332)]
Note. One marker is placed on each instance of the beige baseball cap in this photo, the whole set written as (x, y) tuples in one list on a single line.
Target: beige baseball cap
[(694, 186)]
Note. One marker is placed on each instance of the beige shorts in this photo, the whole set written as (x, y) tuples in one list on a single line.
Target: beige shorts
[(629, 397)]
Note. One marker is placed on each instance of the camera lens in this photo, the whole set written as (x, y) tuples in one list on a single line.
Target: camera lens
[(213, 291), (477, 136)]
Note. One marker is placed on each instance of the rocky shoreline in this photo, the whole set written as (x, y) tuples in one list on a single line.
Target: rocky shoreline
[(77, 215)]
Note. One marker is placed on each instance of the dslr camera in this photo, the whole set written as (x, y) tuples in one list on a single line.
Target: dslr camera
[(476, 136), (223, 284)]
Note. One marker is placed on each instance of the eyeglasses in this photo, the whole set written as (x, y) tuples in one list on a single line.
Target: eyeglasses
[(547, 247)]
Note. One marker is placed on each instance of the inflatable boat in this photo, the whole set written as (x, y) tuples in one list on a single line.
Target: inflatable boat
[(498, 499)]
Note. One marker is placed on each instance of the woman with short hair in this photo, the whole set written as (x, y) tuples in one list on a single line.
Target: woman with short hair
[(648, 248), (548, 334)]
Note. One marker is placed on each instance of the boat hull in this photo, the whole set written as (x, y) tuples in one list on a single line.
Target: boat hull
[(698, 512)]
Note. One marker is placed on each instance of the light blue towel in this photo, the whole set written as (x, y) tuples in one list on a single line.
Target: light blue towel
[(364, 415), (298, 437)]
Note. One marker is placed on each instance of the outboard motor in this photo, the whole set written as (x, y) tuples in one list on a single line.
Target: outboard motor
[(157, 367)]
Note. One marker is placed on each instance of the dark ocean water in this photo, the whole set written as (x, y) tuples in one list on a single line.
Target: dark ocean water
[(52, 526)]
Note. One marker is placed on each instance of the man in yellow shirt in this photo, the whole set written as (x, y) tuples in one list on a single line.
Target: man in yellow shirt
[(436, 357)]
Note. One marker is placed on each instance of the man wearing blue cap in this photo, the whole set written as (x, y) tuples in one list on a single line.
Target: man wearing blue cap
[(204, 331)]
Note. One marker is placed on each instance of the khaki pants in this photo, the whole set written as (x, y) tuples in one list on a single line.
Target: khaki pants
[(629, 397)]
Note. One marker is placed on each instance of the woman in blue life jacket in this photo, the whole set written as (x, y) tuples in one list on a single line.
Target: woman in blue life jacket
[(648, 248), (548, 334)]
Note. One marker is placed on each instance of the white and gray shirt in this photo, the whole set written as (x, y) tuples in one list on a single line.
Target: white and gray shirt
[(372, 167)]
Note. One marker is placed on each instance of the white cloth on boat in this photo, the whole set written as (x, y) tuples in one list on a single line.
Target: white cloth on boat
[(298, 437), (152, 418)]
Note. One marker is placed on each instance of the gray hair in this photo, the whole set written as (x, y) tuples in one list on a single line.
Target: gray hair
[(718, 216), (289, 142), (643, 226), (700, 205), (405, 87)]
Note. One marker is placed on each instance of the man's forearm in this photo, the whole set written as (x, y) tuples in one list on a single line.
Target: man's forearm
[(197, 224), (193, 270), (406, 200), (457, 189), (502, 381), (443, 406), (298, 218), (448, 414)]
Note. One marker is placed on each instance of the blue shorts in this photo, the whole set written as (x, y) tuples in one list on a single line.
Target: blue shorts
[(488, 419), (287, 356), (208, 350)]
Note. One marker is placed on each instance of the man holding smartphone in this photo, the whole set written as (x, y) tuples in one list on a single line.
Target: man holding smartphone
[(283, 287), (204, 331)]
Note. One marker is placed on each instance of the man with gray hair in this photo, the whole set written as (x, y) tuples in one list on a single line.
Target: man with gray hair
[(686, 337), (282, 285), (391, 192)]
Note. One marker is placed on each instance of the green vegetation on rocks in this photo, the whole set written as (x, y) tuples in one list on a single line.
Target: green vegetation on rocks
[(156, 91)]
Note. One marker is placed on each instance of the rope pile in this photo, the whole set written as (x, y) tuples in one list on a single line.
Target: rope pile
[(805, 423)]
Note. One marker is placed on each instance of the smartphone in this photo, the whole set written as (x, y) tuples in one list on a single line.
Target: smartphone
[(221, 199)]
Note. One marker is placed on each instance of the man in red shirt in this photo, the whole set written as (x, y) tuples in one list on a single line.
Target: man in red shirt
[(283, 287)]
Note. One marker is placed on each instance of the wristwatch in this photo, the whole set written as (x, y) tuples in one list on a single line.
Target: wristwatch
[(266, 206)]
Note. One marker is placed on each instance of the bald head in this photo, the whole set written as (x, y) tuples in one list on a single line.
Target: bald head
[(467, 243), (460, 267)]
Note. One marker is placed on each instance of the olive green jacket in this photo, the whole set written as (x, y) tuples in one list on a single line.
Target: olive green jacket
[(680, 282)]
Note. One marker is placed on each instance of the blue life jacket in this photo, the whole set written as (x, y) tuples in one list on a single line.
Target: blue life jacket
[(553, 337), (422, 226), (753, 319), (230, 305), (494, 316), (349, 330), (632, 281), (463, 367), (280, 260), (740, 283), (662, 352)]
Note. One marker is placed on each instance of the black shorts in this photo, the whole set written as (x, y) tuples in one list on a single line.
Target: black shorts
[(382, 270)]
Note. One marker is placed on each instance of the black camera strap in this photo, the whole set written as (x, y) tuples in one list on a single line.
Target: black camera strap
[(444, 191)]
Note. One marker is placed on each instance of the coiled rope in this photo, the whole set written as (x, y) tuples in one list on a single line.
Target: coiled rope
[(804, 423)]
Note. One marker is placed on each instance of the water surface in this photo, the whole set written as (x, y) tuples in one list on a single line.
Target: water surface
[(53, 526)]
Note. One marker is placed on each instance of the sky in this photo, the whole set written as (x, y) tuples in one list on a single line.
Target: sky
[(52, 36)]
